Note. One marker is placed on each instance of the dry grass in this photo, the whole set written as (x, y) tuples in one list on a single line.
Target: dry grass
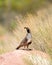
[(41, 29)]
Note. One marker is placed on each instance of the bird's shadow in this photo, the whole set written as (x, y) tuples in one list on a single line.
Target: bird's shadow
[(27, 49)]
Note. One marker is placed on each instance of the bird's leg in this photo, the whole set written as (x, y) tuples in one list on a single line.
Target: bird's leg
[(24, 47), (27, 46)]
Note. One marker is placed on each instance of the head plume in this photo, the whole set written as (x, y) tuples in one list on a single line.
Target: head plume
[(28, 30)]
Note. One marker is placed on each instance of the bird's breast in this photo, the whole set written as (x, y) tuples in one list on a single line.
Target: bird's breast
[(29, 36)]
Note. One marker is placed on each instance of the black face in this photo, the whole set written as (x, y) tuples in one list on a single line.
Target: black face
[(28, 30)]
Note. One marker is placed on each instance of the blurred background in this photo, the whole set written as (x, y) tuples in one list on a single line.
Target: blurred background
[(35, 14)]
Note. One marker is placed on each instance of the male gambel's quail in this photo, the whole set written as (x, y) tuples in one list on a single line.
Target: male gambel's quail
[(27, 40)]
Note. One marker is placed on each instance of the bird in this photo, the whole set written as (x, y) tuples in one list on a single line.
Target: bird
[(27, 40)]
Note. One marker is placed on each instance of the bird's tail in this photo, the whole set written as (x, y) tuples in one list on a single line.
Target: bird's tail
[(18, 47)]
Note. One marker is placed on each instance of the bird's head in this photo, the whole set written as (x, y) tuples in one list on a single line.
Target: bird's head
[(28, 30)]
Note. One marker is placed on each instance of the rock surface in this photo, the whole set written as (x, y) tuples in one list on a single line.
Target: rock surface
[(25, 57)]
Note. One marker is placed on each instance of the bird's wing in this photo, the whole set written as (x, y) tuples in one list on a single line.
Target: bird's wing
[(24, 40)]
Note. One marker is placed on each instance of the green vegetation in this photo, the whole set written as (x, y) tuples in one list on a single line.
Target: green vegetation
[(21, 5), (2, 31), (12, 26)]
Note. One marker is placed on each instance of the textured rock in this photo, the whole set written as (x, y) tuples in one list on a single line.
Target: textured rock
[(25, 57)]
